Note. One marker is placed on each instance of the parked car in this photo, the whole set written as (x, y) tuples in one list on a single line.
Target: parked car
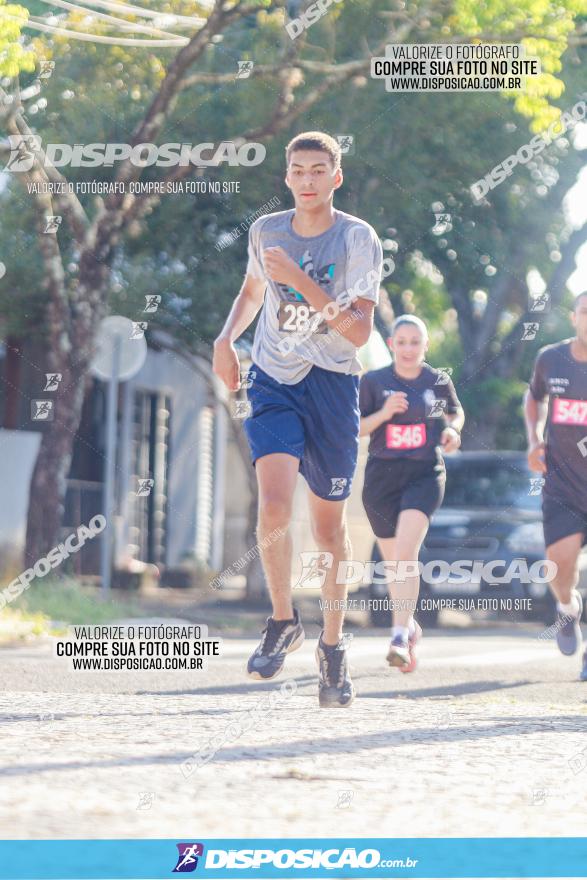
[(491, 512)]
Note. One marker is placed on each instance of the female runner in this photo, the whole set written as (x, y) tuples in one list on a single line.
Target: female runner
[(412, 414)]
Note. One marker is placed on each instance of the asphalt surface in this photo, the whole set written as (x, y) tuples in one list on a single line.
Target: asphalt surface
[(486, 738)]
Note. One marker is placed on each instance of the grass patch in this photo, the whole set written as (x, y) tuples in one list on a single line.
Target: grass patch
[(68, 602), (17, 625)]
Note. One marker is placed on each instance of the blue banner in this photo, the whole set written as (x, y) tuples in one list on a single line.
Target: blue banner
[(299, 857)]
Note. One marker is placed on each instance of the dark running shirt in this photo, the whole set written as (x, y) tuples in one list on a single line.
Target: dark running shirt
[(558, 376), (414, 434)]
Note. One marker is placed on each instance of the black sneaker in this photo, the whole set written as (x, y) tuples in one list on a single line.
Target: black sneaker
[(335, 688), (280, 637), (568, 630)]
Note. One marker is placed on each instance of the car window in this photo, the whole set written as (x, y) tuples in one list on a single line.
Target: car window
[(490, 484)]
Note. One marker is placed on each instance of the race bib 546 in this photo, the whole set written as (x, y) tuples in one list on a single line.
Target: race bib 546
[(569, 412), (405, 436)]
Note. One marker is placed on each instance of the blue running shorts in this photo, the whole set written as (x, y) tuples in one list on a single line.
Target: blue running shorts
[(315, 420)]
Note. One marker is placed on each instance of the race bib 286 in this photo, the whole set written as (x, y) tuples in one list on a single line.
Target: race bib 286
[(569, 412), (405, 436)]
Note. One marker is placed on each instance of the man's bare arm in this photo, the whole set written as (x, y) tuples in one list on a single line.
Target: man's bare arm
[(354, 322), (535, 418), (242, 314)]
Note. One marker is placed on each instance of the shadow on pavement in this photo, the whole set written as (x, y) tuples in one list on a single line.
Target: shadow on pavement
[(335, 745), (448, 690), (245, 688)]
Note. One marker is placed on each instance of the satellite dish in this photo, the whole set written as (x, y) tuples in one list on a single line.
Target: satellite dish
[(116, 331)]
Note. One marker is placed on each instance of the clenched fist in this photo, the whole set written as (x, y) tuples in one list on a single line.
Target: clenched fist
[(279, 267), (226, 364), (394, 403)]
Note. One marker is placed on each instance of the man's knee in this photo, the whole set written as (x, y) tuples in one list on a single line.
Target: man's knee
[(330, 535), (275, 511), (566, 568)]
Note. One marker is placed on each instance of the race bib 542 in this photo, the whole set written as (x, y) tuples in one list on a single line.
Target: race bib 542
[(405, 436), (569, 412)]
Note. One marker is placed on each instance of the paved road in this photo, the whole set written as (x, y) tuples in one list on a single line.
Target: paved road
[(486, 738)]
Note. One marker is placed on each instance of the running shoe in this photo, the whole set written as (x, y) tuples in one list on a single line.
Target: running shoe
[(413, 640), (280, 637), (583, 676), (399, 652), (568, 630), (335, 688)]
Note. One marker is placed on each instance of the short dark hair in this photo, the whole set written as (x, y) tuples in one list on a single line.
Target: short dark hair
[(578, 298), (315, 140)]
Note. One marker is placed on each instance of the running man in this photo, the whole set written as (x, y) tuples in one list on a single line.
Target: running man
[(412, 413), (304, 393), (560, 374)]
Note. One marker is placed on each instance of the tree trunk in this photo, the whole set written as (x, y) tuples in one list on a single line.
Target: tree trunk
[(49, 478), (73, 318)]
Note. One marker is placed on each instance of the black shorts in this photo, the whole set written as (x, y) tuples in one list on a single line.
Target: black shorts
[(560, 519), (393, 485)]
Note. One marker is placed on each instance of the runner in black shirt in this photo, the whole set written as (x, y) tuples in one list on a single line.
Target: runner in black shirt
[(560, 374), (411, 412)]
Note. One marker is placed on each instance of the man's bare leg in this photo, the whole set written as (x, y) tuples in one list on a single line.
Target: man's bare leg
[(565, 555), (329, 528), (276, 476)]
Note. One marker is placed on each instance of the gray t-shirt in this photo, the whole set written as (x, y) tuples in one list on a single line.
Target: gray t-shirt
[(347, 258)]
